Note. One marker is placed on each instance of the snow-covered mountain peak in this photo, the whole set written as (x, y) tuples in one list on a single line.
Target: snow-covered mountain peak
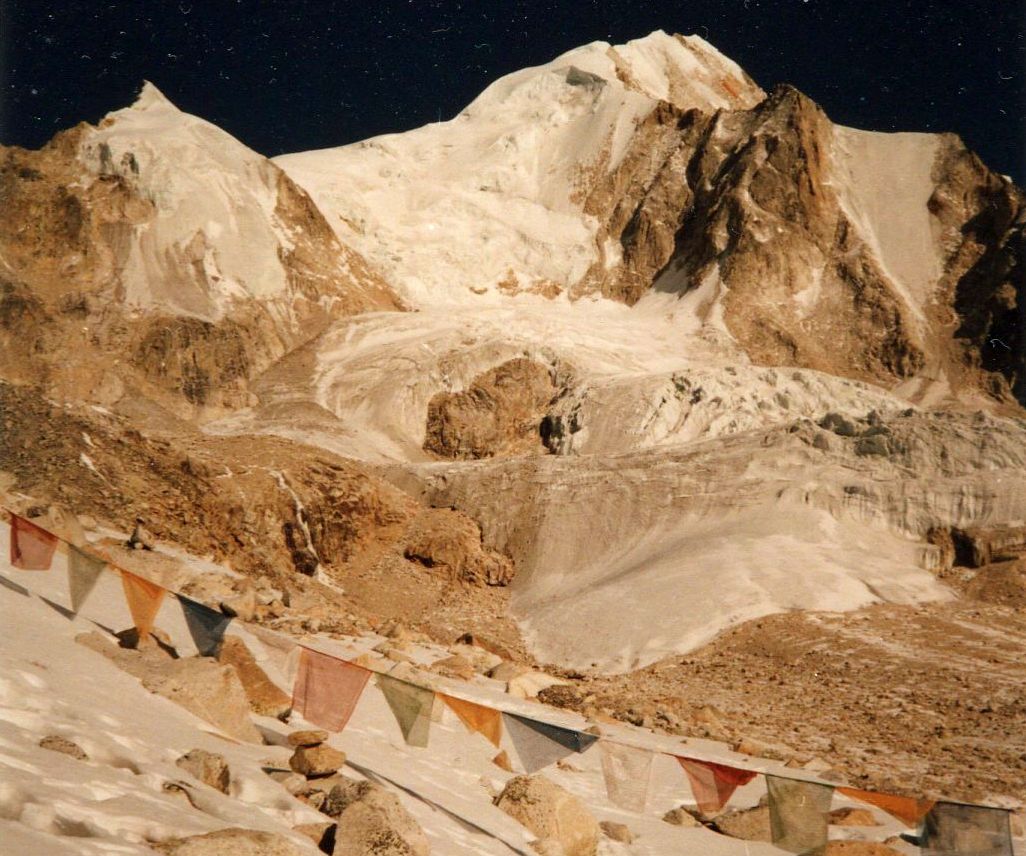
[(150, 97)]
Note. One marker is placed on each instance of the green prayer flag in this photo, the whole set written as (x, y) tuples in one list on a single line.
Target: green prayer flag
[(411, 706), (83, 572), (799, 814)]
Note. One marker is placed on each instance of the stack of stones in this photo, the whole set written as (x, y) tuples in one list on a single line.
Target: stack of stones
[(314, 766)]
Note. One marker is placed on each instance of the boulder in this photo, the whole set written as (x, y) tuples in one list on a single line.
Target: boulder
[(310, 737), (211, 691), (550, 811), (265, 697), (230, 842), (56, 743), (750, 824), (852, 817), (481, 659), (242, 606), (529, 684), (680, 816), (376, 824), (617, 831), (209, 767), (322, 834), (316, 761), (506, 671), (455, 666)]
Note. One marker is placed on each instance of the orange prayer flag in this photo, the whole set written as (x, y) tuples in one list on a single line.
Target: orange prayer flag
[(713, 784), (144, 599), (907, 809), (32, 548), (476, 717), (327, 689)]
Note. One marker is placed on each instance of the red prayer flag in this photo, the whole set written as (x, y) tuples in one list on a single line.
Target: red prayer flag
[(713, 784), (327, 689), (32, 548)]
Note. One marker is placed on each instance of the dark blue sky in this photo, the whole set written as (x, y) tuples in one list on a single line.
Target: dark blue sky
[(302, 74)]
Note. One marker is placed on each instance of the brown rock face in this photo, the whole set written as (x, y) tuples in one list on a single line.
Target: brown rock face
[(451, 541), (754, 207), (498, 415)]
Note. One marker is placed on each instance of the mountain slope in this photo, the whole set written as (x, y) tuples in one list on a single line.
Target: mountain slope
[(159, 235)]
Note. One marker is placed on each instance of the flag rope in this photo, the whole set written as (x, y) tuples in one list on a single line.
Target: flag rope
[(757, 769)]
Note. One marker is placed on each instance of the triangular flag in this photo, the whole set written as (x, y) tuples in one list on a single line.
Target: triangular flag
[(411, 706), (909, 810), (32, 548), (144, 599), (799, 814), (626, 770), (540, 744), (477, 717), (206, 626), (327, 689), (83, 572), (956, 829), (713, 784)]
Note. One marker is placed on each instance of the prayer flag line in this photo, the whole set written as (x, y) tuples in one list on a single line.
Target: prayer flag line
[(624, 767)]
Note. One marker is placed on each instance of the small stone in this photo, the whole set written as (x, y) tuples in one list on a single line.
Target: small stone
[(852, 817), (209, 767), (617, 831), (56, 743), (344, 794), (308, 738), (315, 798), (316, 761), (680, 817), (292, 782)]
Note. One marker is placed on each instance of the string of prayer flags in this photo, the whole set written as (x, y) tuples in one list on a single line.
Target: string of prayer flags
[(626, 770), (327, 689), (411, 705), (955, 829), (907, 809), (206, 626), (83, 572), (799, 810), (32, 548), (477, 718), (144, 600), (539, 744), (713, 784)]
